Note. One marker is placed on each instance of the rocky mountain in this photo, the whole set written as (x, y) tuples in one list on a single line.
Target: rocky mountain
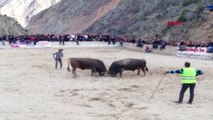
[(128, 18), (145, 18), (23, 10), (70, 16), (4, 2), (202, 31), (10, 26)]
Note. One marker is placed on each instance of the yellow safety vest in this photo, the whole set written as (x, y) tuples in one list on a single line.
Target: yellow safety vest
[(189, 75)]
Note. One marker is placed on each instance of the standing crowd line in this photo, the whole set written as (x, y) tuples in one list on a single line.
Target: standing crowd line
[(156, 43)]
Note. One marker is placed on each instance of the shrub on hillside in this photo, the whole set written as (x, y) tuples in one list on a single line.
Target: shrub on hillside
[(189, 2), (182, 17)]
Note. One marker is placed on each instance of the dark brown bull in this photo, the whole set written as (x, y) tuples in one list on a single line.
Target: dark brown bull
[(87, 63), (127, 64)]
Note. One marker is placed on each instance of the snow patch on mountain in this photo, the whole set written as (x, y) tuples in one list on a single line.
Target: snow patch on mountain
[(23, 10)]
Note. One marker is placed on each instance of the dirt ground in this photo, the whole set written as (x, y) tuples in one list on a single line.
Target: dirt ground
[(31, 89)]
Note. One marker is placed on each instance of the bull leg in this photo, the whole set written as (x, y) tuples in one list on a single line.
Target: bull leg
[(91, 73), (120, 72), (96, 75), (74, 72), (94, 71), (144, 72), (139, 71)]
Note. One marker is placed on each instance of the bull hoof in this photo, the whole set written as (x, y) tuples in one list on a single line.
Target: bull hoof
[(75, 76)]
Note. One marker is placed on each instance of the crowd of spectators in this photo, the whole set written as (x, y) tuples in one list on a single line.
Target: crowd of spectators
[(33, 39), (156, 42), (62, 39), (161, 44)]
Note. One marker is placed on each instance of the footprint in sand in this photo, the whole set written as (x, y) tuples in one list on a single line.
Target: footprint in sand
[(96, 99), (125, 89)]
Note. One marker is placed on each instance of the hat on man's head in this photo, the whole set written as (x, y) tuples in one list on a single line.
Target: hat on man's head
[(60, 50)]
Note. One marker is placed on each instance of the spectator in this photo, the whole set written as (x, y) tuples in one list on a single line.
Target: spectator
[(11, 39), (139, 43), (1, 39), (61, 39), (182, 46), (32, 40), (210, 49), (162, 45), (148, 50)]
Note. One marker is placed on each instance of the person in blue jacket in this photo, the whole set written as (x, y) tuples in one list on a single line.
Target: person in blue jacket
[(58, 58)]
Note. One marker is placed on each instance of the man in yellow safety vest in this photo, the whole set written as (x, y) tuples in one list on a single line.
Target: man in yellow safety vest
[(188, 76)]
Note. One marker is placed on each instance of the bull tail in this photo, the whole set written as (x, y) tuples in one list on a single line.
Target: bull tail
[(68, 67), (146, 67)]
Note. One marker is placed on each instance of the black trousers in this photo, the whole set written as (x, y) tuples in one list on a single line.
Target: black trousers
[(56, 63), (61, 42), (191, 91)]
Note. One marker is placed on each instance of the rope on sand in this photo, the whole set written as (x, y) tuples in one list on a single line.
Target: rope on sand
[(156, 88)]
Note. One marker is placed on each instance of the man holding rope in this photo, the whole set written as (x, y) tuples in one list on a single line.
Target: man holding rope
[(188, 75)]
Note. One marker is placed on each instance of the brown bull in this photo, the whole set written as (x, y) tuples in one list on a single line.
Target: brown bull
[(95, 65)]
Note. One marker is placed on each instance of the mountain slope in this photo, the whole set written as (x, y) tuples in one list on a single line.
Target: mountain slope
[(203, 31), (4, 2), (145, 18), (23, 10), (10, 26), (70, 16), (128, 18), (133, 17)]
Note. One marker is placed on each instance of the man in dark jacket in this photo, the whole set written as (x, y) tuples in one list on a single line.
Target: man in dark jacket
[(188, 75), (1, 39)]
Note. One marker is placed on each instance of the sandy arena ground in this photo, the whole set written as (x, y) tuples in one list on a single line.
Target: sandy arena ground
[(31, 89)]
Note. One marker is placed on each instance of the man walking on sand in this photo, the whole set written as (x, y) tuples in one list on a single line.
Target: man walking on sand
[(188, 76), (58, 58)]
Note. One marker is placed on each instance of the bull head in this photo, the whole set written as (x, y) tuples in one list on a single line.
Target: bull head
[(102, 73), (112, 73)]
